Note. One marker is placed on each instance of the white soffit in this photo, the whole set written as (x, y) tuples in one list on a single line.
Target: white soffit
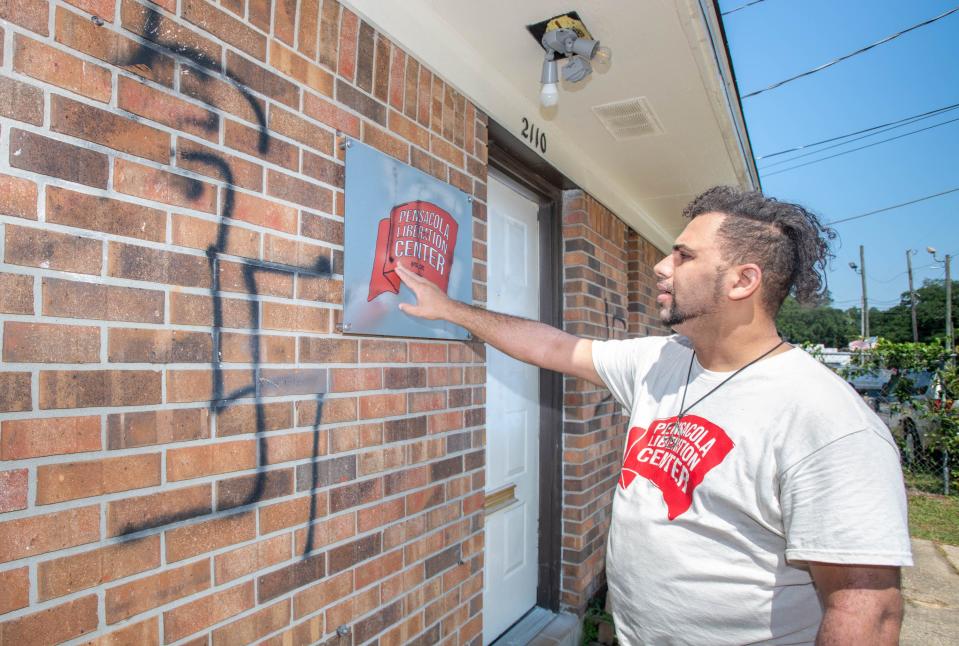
[(662, 53)]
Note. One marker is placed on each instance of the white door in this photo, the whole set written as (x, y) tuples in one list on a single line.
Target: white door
[(512, 418)]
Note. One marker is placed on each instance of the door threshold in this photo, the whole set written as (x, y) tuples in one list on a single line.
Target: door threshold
[(540, 627)]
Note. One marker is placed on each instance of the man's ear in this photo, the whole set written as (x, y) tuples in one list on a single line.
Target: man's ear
[(748, 279)]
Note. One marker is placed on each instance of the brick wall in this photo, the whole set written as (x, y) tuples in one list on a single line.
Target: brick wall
[(189, 450), (609, 293)]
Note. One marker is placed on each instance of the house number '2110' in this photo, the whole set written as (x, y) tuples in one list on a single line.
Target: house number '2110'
[(534, 135)]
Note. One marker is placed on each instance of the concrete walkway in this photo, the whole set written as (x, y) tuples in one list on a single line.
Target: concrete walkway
[(931, 592)]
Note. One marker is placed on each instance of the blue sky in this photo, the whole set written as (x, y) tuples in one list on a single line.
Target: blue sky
[(914, 73)]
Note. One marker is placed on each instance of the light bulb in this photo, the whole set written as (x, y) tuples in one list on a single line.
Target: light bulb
[(603, 58), (549, 95)]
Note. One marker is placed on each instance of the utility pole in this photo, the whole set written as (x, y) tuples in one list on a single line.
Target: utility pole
[(865, 301), (912, 296), (861, 270), (950, 334), (950, 339)]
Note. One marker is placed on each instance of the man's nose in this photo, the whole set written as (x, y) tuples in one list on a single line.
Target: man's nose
[(664, 268)]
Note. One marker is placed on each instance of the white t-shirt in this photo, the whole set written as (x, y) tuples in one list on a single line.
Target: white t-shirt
[(710, 530)]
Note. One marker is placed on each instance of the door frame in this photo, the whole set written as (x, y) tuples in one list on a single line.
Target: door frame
[(510, 157)]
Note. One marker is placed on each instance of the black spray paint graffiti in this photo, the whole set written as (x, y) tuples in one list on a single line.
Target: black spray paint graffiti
[(209, 69), (614, 320)]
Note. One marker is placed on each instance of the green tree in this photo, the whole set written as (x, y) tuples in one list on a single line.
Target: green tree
[(895, 323), (820, 324)]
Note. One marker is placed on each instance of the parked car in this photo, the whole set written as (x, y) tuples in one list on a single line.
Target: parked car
[(895, 405), (870, 384)]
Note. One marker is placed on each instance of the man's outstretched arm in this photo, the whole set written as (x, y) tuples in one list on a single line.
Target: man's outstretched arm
[(528, 341)]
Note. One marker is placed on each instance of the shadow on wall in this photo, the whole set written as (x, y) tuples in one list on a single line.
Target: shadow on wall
[(312, 382)]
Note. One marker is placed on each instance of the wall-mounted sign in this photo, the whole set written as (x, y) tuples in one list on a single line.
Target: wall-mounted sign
[(398, 215)]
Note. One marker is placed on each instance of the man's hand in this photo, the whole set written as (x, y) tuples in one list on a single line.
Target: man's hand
[(529, 341), (431, 302), (861, 604)]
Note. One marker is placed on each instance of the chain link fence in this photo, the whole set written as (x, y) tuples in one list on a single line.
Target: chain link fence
[(923, 445)]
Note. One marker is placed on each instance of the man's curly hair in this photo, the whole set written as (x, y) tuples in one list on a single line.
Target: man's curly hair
[(789, 243)]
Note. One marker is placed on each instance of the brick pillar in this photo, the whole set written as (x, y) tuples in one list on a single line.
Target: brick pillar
[(608, 294)]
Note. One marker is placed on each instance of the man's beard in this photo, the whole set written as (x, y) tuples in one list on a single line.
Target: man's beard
[(677, 314)]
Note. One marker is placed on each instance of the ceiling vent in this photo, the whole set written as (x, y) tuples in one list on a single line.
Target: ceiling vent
[(629, 119)]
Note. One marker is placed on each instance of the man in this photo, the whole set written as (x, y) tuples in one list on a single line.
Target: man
[(760, 500)]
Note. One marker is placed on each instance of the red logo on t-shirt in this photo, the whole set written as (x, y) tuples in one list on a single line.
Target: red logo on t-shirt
[(674, 457)]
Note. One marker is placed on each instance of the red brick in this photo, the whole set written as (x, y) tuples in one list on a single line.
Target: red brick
[(186, 542), (225, 27), (38, 154), (31, 438), (18, 197), (73, 299), (196, 309), (220, 94), (290, 513), (14, 590), (50, 65), (331, 114), (323, 594), (260, 79), (83, 35), (349, 27), (235, 348), (133, 17), (197, 385), (293, 189), (149, 592), (53, 625), (386, 142), (409, 130), (159, 106), (129, 430), (288, 124), (249, 140), (381, 351), (355, 379), (127, 345), (242, 419), (251, 628), (308, 27), (364, 57), (155, 510), (157, 266), (313, 350), (284, 20), (161, 186), (356, 100), (90, 569), (282, 316), (145, 633), (250, 558), (244, 490), (52, 250), (202, 613), (47, 342), (265, 213), (21, 101), (82, 389), (425, 85), (101, 8), (31, 14), (107, 129), (204, 234), (13, 496), (41, 534), (59, 482), (99, 213), (16, 293), (234, 171), (290, 63), (209, 459), (267, 282)]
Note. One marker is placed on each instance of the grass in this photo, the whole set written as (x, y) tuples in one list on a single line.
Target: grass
[(934, 517)]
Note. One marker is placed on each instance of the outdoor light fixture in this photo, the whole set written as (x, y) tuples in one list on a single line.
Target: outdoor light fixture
[(566, 37)]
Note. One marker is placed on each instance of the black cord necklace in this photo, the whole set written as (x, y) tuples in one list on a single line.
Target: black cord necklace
[(682, 411)]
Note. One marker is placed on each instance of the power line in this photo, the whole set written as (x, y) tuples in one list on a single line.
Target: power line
[(903, 121), (852, 150), (851, 54), (895, 206), (740, 8)]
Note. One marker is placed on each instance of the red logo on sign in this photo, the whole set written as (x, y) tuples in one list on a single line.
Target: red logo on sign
[(422, 237), (674, 457)]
